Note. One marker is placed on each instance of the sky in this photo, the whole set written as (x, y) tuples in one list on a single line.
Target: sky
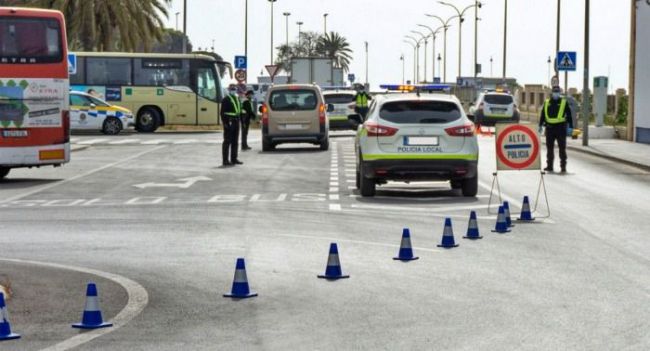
[(383, 24)]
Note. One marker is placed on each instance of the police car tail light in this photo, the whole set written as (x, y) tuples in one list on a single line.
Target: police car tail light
[(462, 131), (378, 130), (265, 115), (321, 114)]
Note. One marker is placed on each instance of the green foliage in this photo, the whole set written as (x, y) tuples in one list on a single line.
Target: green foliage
[(621, 115), (312, 44), (171, 42)]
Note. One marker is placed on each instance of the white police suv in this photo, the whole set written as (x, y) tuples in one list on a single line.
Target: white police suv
[(416, 137)]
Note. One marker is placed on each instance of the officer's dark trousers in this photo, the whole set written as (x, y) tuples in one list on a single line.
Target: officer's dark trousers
[(363, 111), (245, 123), (556, 133), (230, 138)]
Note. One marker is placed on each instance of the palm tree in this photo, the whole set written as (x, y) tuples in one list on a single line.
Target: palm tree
[(336, 47), (106, 25)]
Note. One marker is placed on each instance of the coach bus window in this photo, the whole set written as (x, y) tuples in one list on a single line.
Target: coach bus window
[(207, 85), (108, 71), (161, 72)]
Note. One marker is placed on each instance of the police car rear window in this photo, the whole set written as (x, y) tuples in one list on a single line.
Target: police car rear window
[(498, 99), (339, 98), (293, 100), (419, 112)]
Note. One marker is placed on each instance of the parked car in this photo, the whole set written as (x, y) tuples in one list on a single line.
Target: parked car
[(343, 106), (494, 107), (91, 113)]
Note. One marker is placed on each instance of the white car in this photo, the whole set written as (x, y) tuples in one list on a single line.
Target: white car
[(343, 106), (416, 137), (494, 107), (88, 112)]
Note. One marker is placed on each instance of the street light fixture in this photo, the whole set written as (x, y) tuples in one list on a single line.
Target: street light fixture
[(425, 38), (177, 13), (433, 45), (476, 19), (460, 30), (286, 16), (325, 22), (272, 1), (414, 57), (299, 23), (445, 26)]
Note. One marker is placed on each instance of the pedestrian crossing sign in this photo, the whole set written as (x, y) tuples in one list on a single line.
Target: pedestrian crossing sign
[(72, 64), (566, 61)]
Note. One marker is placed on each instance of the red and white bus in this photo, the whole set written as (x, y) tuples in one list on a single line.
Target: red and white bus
[(34, 88)]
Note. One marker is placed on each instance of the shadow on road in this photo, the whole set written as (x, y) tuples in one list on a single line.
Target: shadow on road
[(24, 183)]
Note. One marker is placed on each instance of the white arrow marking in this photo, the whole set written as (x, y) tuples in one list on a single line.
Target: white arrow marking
[(188, 182)]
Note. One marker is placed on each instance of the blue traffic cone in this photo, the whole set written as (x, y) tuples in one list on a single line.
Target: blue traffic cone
[(92, 316), (5, 327), (526, 215), (240, 289), (502, 225), (448, 236), (472, 227), (405, 249), (333, 270), (506, 212)]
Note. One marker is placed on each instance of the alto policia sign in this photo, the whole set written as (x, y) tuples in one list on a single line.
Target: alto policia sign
[(518, 148)]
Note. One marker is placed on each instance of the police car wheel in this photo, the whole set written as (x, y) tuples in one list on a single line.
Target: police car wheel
[(112, 126), (470, 186), (4, 171), (368, 186)]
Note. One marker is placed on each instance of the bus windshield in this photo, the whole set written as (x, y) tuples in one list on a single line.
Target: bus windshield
[(30, 40)]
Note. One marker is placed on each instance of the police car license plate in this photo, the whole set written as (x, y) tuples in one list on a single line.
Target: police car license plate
[(15, 133), (421, 141)]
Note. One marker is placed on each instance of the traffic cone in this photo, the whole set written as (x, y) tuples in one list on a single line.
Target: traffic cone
[(240, 289), (405, 249), (502, 225), (92, 316), (5, 327), (506, 212), (333, 270), (526, 215), (448, 236), (472, 227)]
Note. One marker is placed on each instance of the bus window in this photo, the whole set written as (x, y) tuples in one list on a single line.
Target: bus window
[(162, 72), (108, 71), (78, 78), (206, 83), (30, 40)]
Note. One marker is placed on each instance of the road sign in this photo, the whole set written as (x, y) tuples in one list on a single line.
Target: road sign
[(351, 77), (517, 148), (566, 61), (241, 62), (272, 69), (72, 64), (240, 75)]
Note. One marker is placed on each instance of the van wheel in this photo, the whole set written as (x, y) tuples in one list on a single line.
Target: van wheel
[(4, 171), (267, 145), (148, 120), (112, 126), (368, 186), (470, 186), (325, 144)]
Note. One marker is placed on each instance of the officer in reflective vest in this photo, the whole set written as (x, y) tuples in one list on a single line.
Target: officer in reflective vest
[(361, 100), (556, 117), (249, 108), (231, 112)]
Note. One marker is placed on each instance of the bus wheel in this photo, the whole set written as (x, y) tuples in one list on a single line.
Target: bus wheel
[(4, 171), (148, 120), (112, 126)]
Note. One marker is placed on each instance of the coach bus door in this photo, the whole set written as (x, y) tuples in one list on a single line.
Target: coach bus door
[(207, 92)]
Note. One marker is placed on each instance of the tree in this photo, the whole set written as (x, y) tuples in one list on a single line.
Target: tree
[(109, 25), (336, 47), (171, 42)]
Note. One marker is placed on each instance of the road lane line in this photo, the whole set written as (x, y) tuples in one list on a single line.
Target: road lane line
[(92, 141), (335, 207), (126, 141), (363, 242), (65, 181), (138, 298)]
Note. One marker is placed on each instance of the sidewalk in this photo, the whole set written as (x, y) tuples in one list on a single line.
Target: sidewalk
[(633, 154)]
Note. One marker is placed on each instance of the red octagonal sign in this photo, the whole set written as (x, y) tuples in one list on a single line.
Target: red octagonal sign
[(517, 147)]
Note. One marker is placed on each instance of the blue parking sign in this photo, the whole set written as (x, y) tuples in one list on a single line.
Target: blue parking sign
[(241, 62)]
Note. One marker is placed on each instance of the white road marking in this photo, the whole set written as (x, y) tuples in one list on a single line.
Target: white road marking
[(155, 142), (92, 141), (334, 184), (125, 141), (335, 207), (53, 185), (187, 141), (363, 242), (188, 182), (419, 211), (138, 298), (334, 190), (334, 197)]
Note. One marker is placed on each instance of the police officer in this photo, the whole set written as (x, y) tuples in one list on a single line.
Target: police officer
[(361, 100), (248, 114), (556, 116), (231, 112)]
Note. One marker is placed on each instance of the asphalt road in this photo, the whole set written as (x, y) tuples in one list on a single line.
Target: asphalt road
[(159, 211)]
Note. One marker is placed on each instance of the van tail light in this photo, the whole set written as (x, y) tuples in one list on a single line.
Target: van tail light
[(65, 116), (265, 115), (378, 130), (466, 130), (321, 114)]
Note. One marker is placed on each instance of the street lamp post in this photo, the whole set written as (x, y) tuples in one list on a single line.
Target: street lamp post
[(366, 64), (299, 23), (439, 59), (491, 72), (433, 51), (585, 81), (177, 13), (286, 17), (245, 33), (185, 26), (417, 58), (425, 38), (445, 26), (271, 1), (505, 38), (549, 70), (325, 22), (414, 57), (401, 58), (477, 6), (460, 30)]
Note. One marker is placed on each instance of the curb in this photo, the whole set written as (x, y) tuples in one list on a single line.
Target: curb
[(608, 157), (77, 147)]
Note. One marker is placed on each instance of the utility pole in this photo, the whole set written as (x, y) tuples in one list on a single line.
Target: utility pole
[(366, 63), (185, 26), (585, 82), (557, 38), (300, 23), (477, 5), (325, 23), (286, 16), (505, 39), (245, 33), (403, 68), (630, 101), (177, 13), (271, 1)]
